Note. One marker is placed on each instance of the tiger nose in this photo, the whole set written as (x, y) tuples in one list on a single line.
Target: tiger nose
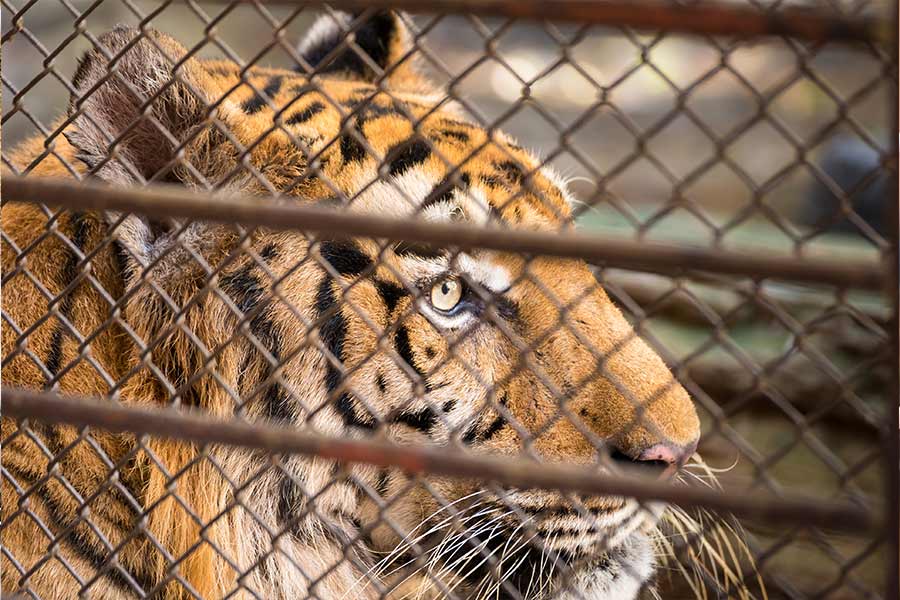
[(663, 456), (670, 454)]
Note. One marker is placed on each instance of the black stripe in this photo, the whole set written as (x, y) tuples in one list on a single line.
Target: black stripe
[(333, 333), (445, 190), (346, 257), (55, 441), (493, 181), (306, 114), (459, 124), (506, 308), (423, 420), (256, 102), (243, 288), (401, 341), (382, 483), (442, 192), (246, 292), (366, 109), (459, 136), (407, 106), (262, 565), (70, 272), (246, 363), (290, 499), (494, 427), (472, 435), (373, 111), (269, 252), (265, 331), (278, 404), (380, 382), (177, 369), (417, 250), (511, 171), (98, 558), (123, 262), (345, 407), (407, 155), (390, 293), (560, 510), (351, 149), (54, 357)]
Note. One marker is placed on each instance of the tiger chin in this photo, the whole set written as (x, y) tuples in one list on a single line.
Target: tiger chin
[(479, 350), (624, 571)]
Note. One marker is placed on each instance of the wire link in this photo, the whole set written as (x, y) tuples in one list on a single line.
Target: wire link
[(691, 135)]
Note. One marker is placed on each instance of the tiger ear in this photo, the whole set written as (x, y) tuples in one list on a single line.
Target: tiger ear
[(135, 100), (383, 37), (114, 81)]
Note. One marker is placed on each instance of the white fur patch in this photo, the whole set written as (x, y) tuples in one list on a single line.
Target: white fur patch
[(325, 28), (475, 205), (397, 197), (557, 180), (619, 576), (492, 276), (401, 196)]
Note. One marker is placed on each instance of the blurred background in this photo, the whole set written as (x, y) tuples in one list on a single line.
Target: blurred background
[(767, 144)]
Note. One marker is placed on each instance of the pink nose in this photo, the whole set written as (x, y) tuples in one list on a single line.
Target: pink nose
[(668, 453)]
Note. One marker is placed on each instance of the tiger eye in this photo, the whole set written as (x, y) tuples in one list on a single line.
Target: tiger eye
[(446, 294)]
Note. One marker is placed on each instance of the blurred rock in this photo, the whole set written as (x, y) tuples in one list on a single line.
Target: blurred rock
[(851, 164)]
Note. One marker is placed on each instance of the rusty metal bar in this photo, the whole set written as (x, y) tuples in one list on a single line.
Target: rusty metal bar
[(167, 201), (203, 429), (710, 18)]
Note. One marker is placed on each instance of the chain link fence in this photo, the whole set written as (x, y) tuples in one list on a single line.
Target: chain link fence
[(289, 310)]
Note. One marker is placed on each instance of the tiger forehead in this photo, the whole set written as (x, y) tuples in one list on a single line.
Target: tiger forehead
[(355, 125)]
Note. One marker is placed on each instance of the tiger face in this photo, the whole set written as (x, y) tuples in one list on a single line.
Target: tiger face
[(482, 350)]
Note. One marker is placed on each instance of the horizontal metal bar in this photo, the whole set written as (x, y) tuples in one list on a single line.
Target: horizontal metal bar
[(710, 18), (170, 201), (515, 472)]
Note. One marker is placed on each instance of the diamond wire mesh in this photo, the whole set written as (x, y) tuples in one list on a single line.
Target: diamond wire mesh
[(834, 343)]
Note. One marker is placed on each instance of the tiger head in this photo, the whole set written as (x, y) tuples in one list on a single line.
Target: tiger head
[(480, 350)]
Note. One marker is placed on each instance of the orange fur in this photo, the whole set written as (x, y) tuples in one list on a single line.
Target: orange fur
[(176, 338)]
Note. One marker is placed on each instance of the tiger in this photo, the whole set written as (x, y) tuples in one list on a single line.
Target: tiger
[(479, 351)]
